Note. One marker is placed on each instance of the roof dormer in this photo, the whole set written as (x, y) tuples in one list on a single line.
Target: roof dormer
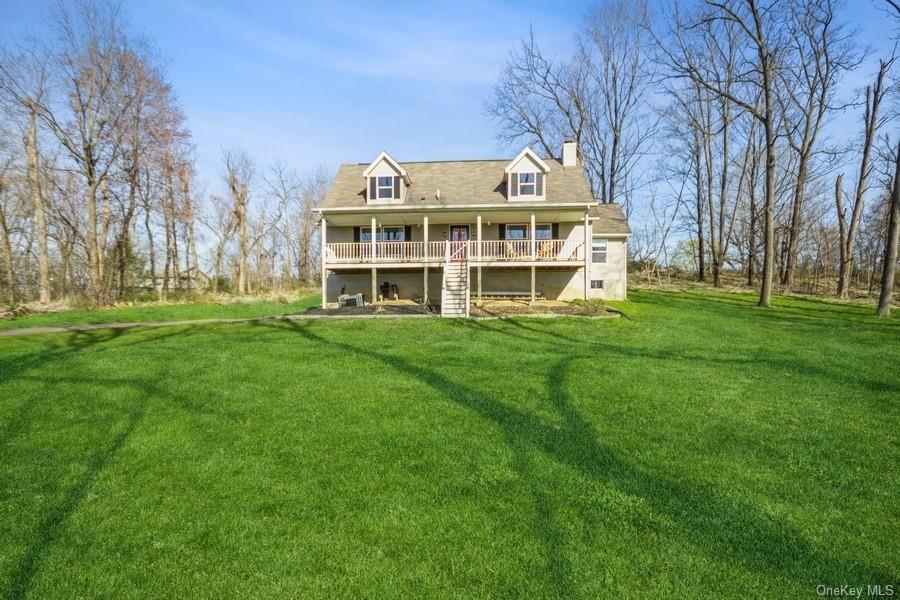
[(386, 181), (526, 177)]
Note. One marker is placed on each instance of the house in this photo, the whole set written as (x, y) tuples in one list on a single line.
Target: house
[(452, 232)]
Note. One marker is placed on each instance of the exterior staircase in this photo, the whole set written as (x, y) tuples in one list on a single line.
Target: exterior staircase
[(455, 288)]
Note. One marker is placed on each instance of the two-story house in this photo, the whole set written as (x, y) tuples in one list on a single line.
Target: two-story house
[(452, 232)]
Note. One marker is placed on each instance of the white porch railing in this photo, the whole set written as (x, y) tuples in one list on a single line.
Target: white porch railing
[(420, 252)]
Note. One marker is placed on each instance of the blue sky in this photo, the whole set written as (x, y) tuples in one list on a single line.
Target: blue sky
[(333, 82)]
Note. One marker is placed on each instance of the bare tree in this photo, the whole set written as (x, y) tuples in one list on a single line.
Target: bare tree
[(872, 121), (238, 173), (822, 51), (220, 222), (595, 98), (5, 243), (761, 48), (23, 81), (889, 264), (90, 45)]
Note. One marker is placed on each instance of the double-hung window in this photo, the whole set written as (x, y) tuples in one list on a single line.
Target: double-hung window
[(385, 234), (598, 250), (385, 187), (392, 234), (527, 182), (517, 232), (543, 231)]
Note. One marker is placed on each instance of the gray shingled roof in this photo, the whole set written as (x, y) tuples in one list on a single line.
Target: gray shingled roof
[(608, 218), (460, 182)]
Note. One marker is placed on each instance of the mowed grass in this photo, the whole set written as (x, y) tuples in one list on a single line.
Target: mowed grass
[(149, 312), (703, 448)]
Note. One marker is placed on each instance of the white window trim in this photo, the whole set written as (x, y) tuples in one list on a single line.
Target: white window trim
[(389, 187), (379, 233), (532, 185), (523, 226), (595, 251), (527, 227)]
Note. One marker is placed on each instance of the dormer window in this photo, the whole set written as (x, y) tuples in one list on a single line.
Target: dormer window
[(526, 184), (526, 176), (385, 187), (386, 181)]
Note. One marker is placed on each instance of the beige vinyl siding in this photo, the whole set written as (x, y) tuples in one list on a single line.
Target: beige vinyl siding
[(614, 272), (553, 284), (338, 234)]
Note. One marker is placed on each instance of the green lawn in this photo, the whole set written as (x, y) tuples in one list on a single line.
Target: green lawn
[(704, 447), (146, 313)]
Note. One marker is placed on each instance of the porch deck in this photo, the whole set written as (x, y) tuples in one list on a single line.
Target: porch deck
[(525, 252)]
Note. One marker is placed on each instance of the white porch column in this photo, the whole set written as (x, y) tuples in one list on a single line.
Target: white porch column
[(587, 256), (324, 264), (478, 253), (425, 257), (533, 256), (374, 270)]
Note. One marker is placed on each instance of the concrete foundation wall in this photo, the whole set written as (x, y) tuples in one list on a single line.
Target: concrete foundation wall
[(553, 284)]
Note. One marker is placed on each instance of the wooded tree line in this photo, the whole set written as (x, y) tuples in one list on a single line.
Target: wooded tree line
[(709, 122), (98, 192)]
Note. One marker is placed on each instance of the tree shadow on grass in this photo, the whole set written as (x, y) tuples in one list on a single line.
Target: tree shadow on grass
[(519, 329), (786, 310), (63, 348), (712, 521), (49, 528), (48, 531)]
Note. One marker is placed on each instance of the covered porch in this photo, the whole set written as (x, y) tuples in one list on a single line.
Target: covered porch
[(418, 238)]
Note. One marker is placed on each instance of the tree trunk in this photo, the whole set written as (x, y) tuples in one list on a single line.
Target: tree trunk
[(765, 292), (7, 252), (793, 237), (751, 238), (94, 284), (242, 243), (721, 241), (889, 267), (698, 183), (151, 246), (40, 219), (870, 118), (842, 221)]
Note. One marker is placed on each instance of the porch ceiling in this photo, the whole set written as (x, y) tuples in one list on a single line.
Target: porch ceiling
[(542, 214)]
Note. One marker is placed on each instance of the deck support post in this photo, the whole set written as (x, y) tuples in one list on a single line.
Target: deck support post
[(533, 255), (478, 253), (587, 256), (425, 257), (324, 264), (374, 270)]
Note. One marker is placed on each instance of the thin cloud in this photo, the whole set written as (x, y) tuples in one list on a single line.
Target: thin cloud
[(413, 49)]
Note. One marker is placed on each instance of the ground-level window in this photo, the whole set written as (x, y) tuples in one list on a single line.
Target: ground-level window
[(516, 232), (596, 284), (383, 234), (598, 250)]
